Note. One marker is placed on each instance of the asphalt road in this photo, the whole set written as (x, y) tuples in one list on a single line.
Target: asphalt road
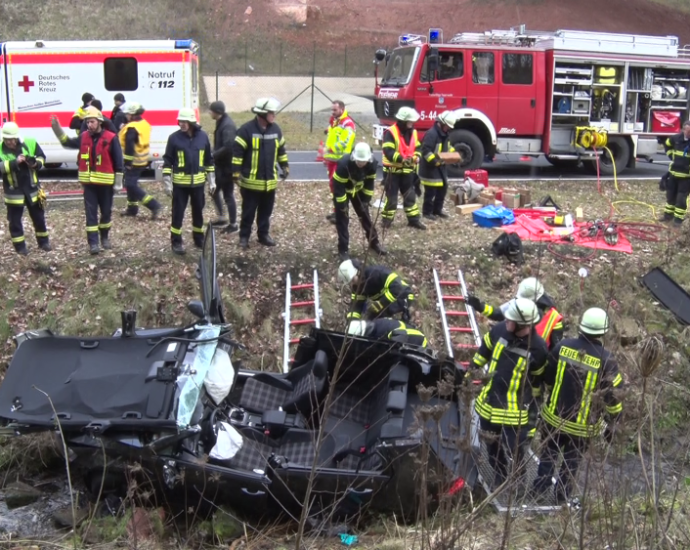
[(304, 167)]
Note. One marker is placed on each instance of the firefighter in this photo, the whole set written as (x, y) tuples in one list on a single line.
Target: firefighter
[(107, 123), (401, 152), (506, 406), (678, 183), (258, 146), (377, 291), (340, 138), (388, 329), (187, 166), (100, 168), (550, 328), (353, 182), (432, 169), (117, 115), (223, 142), (135, 139), (78, 116), (577, 369), (19, 162)]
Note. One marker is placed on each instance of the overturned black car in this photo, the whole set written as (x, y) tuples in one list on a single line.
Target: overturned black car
[(369, 422)]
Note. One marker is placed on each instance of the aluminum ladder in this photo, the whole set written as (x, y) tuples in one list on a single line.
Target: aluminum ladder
[(303, 304), (449, 329)]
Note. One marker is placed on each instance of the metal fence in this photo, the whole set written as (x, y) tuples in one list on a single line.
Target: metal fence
[(306, 81)]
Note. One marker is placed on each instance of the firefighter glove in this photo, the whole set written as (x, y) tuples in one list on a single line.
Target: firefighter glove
[(475, 303), (168, 185), (211, 182), (42, 198), (118, 183), (408, 162), (236, 178), (286, 172), (439, 162), (57, 129)]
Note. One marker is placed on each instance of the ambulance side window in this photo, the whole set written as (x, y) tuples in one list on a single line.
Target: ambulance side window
[(121, 74)]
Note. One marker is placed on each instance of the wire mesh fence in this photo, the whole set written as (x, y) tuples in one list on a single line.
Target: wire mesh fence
[(306, 80)]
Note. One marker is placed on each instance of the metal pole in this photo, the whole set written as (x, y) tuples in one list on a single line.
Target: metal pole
[(286, 334), (246, 58), (216, 85), (345, 68), (317, 300), (311, 114), (280, 59)]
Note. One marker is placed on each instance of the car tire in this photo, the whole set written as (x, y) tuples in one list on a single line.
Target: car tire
[(471, 150)]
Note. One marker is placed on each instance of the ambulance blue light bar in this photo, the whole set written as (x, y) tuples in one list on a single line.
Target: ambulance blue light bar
[(183, 44)]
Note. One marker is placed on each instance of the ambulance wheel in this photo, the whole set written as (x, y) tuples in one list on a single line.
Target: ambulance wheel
[(620, 149), (471, 151)]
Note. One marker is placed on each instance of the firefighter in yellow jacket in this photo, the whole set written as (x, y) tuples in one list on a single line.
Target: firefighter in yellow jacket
[(401, 152), (340, 139), (135, 139)]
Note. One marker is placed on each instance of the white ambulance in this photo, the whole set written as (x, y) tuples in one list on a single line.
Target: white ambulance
[(43, 78)]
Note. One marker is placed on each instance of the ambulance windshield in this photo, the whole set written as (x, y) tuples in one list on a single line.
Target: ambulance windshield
[(399, 67)]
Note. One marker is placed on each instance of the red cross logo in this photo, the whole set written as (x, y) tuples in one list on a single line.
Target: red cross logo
[(26, 83)]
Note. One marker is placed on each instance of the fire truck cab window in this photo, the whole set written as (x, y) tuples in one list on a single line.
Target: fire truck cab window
[(450, 65), (121, 74), (399, 67), (483, 67), (517, 68)]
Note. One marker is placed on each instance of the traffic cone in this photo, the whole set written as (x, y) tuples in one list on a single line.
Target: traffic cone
[(319, 153)]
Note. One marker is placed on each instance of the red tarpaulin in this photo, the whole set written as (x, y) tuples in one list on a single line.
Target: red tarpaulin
[(536, 229)]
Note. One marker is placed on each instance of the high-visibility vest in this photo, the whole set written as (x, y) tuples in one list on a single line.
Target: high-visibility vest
[(102, 171), (405, 149), (142, 146), (14, 195), (545, 327), (340, 139)]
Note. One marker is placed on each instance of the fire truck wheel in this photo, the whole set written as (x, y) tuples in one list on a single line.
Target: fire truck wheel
[(471, 150), (620, 149)]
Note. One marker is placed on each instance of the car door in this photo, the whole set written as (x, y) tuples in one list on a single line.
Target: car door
[(447, 89), (482, 83), (519, 102)]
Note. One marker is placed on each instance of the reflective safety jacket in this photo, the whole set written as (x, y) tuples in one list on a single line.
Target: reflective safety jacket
[(341, 137), (135, 139), (381, 287), (256, 152), (392, 329), (350, 180), (19, 182), (678, 150), (430, 167), (399, 142), (577, 369), (100, 156), (188, 158), (516, 366), (550, 327)]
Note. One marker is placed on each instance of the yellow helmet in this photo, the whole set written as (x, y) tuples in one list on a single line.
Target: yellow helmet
[(92, 112)]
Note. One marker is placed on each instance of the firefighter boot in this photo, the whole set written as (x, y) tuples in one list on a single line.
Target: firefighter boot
[(22, 251), (45, 246), (94, 249), (231, 228), (178, 248), (105, 241), (343, 256), (331, 217), (244, 243), (378, 249), (267, 241), (416, 223)]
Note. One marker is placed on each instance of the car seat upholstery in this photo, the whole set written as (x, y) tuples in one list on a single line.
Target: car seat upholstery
[(298, 391)]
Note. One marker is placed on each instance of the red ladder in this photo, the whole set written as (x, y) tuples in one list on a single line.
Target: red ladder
[(305, 303), (466, 316)]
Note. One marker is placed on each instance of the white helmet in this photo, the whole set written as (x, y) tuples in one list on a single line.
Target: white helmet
[(361, 152), (357, 328), (407, 114), (132, 107), (448, 118), (266, 105), (595, 321), (186, 115), (522, 311), (531, 289), (10, 130), (346, 272)]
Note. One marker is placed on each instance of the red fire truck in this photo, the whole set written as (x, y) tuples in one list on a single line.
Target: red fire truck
[(572, 96)]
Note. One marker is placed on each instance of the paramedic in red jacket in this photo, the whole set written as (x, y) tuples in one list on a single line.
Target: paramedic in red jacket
[(100, 169)]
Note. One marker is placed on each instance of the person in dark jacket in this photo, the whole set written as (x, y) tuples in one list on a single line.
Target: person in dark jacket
[(515, 357), (387, 329), (78, 116), (432, 170), (187, 165), (353, 182), (19, 162), (223, 141), (117, 115), (377, 289), (259, 144), (107, 123), (577, 370), (100, 171), (678, 183)]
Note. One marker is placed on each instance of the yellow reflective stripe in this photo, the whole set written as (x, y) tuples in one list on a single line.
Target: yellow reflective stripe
[(175, 230), (367, 192), (241, 141), (258, 185), (614, 409), (586, 402), (488, 342), (14, 202), (210, 168), (167, 171), (202, 153), (560, 372), (386, 288), (91, 228), (340, 179), (18, 239), (570, 427), (180, 159), (342, 198), (197, 229), (354, 315), (128, 157), (617, 381), (514, 385), (479, 360), (41, 233), (188, 179), (105, 225)]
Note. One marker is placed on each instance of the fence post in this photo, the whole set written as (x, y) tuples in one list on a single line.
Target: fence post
[(313, 74), (216, 85), (246, 59), (280, 58), (345, 69)]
